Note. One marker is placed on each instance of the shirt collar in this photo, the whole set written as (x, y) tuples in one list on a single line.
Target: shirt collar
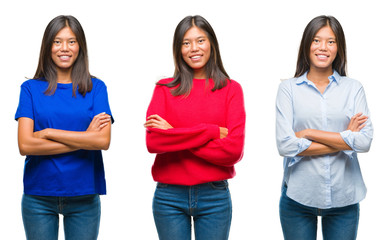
[(334, 77)]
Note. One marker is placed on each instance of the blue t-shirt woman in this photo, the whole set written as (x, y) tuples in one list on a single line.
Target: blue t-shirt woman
[(64, 123)]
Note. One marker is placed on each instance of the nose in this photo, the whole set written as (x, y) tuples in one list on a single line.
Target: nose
[(323, 45), (194, 47), (64, 46)]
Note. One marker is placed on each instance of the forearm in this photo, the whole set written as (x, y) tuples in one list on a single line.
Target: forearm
[(318, 149), (178, 139), (88, 140), (31, 145), (331, 139), (37, 146)]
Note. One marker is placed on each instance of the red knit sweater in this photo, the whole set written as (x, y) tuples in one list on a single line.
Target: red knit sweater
[(192, 152)]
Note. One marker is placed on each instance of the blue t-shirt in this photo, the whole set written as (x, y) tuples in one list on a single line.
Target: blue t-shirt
[(69, 174)]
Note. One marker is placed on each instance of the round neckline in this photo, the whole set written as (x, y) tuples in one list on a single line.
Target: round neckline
[(64, 85)]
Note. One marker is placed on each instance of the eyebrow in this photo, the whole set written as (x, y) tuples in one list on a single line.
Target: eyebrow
[(66, 38), (327, 38), (195, 38)]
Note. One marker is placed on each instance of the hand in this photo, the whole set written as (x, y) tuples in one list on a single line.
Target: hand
[(155, 121), (357, 122), (99, 122), (223, 132)]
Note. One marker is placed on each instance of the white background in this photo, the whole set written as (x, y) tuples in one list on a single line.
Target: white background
[(130, 48)]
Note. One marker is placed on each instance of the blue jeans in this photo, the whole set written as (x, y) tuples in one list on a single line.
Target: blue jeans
[(299, 222), (81, 217), (209, 205)]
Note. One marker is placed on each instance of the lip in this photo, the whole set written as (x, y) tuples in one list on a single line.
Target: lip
[(196, 57), (64, 57), (322, 56)]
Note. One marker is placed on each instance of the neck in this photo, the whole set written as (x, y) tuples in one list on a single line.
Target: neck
[(64, 75), (319, 75), (199, 74)]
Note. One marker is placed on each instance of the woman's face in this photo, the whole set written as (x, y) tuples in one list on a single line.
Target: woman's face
[(196, 49), (323, 49), (65, 49)]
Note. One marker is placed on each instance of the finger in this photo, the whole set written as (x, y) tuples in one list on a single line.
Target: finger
[(153, 121), (153, 116), (361, 127), (356, 115), (362, 121)]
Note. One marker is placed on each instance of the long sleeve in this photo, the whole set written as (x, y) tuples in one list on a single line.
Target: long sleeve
[(228, 151), (288, 144), (177, 138), (360, 141)]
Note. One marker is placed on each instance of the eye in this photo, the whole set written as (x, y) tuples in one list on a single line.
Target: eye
[(57, 42), (72, 42), (315, 40), (331, 42), (185, 43), (201, 40)]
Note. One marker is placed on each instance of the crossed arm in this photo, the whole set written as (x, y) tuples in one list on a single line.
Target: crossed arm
[(329, 142), (54, 141), (155, 121)]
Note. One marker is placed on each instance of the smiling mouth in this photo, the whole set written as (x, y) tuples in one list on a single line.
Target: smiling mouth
[(320, 56), (196, 57), (64, 57)]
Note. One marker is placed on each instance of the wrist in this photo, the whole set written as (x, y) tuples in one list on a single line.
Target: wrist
[(308, 133), (46, 133)]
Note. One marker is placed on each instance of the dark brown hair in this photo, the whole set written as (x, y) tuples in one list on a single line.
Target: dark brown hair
[(183, 75), (47, 70), (339, 63)]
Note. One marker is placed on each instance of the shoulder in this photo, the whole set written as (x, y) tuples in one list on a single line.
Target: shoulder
[(33, 84), (287, 83), (350, 82), (234, 85), (97, 82), (98, 85), (165, 80)]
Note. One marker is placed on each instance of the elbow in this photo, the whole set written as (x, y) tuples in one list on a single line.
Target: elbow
[(364, 146), (103, 145), (23, 149), (232, 159), (22, 152), (364, 149), (152, 149)]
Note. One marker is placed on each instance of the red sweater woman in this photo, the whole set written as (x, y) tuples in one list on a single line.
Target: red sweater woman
[(195, 124)]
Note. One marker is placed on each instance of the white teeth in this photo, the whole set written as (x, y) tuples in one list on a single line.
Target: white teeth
[(322, 56), (64, 57), (195, 57)]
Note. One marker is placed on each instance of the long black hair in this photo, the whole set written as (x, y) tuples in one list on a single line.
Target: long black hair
[(339, 63), (47, 70), (183, 75)]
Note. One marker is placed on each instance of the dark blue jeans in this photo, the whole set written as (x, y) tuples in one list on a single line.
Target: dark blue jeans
[(299, 222), (208, 204), (81, 217)]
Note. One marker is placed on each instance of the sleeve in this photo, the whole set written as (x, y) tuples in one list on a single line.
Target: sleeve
[(229, 150), (101, 102), (175, 139), (359, 141), (288, 144), (25, 107)]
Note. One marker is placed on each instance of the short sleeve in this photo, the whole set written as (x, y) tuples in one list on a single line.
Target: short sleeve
[(101, 102), (25, 107)]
